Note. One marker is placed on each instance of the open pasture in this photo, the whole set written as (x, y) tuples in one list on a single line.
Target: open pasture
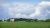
[(24, 24)]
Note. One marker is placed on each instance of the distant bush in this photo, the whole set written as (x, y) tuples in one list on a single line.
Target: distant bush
[(0, 20), (41, 20), (8, 20), (47, 20), (28, 20), (35, 20)]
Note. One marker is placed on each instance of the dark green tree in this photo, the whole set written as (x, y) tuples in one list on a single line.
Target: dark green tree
[(0, 20), (47, 20), (35, 20), (8, 20)]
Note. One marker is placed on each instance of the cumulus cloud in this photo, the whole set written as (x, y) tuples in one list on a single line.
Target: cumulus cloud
[(24, 10), (21, 9), (45, 8)]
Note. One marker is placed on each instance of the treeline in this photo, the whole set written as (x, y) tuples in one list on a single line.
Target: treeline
[(27, 20)]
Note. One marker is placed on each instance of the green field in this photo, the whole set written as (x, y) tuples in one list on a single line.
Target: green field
[(24, 24)]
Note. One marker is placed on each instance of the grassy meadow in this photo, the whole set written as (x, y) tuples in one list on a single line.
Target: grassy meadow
[(21, 24)]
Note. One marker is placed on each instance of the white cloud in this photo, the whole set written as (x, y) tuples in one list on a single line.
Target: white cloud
[(45, 8), (42, 10), (25, 10)]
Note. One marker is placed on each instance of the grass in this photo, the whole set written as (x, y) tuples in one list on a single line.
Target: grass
[(24, 24)]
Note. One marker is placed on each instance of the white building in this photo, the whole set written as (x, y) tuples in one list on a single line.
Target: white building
[(3, 20), (12, 20)]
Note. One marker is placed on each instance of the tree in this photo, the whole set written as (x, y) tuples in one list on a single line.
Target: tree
[(8, 20), (47, 20), (0, 20), (35, 20)]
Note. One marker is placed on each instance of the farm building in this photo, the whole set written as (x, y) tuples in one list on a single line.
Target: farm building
[(12, 20)]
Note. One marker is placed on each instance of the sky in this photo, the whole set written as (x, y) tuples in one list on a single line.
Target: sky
[(39, 9)]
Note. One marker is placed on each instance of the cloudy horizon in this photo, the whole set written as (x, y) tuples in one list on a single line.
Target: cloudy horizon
[(25, 9)]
